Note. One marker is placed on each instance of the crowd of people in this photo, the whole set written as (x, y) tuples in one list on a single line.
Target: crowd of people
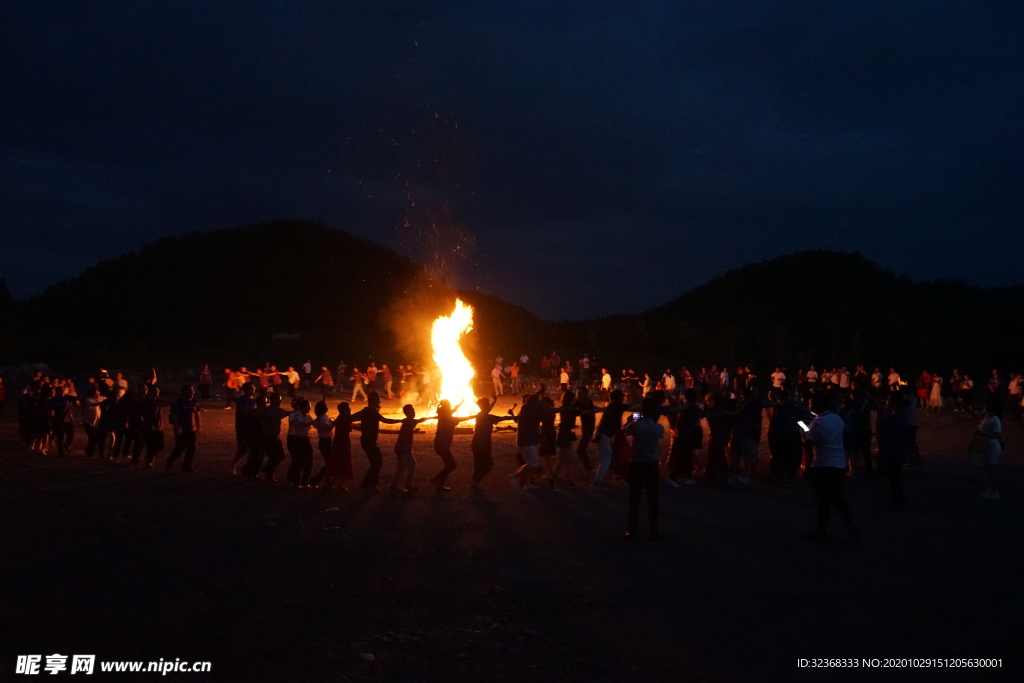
[(820, 425)]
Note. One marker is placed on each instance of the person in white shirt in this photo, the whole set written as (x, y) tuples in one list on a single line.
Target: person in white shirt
[(307, 371), (828, 467), (812, 376), (291, 377), (894, 378), (496, 377), (299, 447), (606, 381), (778, 378), (668, 381)]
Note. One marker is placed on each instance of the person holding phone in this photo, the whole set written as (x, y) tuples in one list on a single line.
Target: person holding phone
[(642, 473), (828, 467)]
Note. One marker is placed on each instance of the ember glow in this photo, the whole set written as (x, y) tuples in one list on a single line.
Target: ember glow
[(456, 370)]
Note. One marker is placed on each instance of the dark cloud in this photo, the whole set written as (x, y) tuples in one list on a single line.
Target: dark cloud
[(600, 156)]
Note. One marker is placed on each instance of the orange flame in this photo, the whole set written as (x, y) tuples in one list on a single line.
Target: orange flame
[(455, 369)]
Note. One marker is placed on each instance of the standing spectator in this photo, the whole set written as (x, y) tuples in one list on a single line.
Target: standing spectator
[(778, 378), (524, 364), (1016, 389), (385, 372), (205, 380), (496, 377), (307, 371), (185, 418), (828, 468), (643, 470), (989, 440), (514, 377)]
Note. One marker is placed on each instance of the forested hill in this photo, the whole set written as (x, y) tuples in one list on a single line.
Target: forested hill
[(292, 289), (276, 290), (824, 308)]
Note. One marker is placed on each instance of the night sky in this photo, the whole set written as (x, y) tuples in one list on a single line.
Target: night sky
[(587, 157)]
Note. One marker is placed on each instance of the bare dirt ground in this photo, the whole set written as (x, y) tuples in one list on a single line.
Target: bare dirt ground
[(273, 584)]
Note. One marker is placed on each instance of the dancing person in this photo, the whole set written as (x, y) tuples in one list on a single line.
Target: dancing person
[(687, 437), (291, 378), (63, 419), (642, 473), (746, 433), (324, 427), (326, 382), (720, 418), (299, 447), (893, 443), (528, 441), (152, 430), (244, 416), (269, 419), (480, 446), (338, 470), (568, 412), (230, 387), (588, 424), (370, 420), (92, 407), (784, 441), (403, 449), (358, 380), (186, 421), (607, 429), (828, 468), (446, 424)]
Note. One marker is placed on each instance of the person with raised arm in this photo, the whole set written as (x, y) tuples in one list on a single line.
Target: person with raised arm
[(446, 424), (483, 428)]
